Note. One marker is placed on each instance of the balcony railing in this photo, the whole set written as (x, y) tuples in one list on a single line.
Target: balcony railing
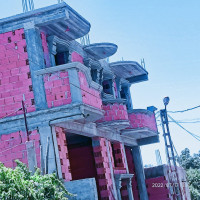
[(143, 127), (141, 118), (69, 83), (116, 114)]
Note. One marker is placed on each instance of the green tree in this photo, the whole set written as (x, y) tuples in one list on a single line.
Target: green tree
[(192, 166), (19, 184)]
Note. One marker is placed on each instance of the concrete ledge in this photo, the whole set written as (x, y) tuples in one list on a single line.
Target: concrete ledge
[(85, 189)]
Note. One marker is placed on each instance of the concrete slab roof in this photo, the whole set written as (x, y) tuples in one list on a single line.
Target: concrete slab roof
[(129, 70), (100, 51), (59, 19)]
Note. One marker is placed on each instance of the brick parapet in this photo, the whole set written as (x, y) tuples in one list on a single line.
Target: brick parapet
[(57, 88), (90, 96), (114, 112), (139, 119)]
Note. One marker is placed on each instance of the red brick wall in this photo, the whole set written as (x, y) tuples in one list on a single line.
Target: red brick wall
[(75, 57), (13, 147), (114, 112), (63, 153), (15, 78), (57, 89), (157, 188), (119, 157), (90, 96), (142, 120)]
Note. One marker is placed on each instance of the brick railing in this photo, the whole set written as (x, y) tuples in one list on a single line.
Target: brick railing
[(141, 118)]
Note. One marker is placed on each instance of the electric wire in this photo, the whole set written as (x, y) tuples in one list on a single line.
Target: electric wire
[(197, 137), (7, 115), (181, 111)]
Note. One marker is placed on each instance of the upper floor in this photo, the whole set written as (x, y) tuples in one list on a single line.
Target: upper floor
[(42, 64)]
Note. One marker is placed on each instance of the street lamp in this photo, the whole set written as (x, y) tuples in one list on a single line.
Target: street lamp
[(166, 101)]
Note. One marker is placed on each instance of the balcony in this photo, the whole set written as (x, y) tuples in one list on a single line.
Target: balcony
[(142, 127), (71, 84), (129, 70), (115, 116)]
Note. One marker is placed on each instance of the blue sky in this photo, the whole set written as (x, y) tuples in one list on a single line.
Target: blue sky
[(167, 35)]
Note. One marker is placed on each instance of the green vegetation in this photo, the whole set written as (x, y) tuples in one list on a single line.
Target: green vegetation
[(19, 184), (192, 166)]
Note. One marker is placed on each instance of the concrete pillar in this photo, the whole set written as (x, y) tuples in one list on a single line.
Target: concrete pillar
[(118, 186), (75, 86), (139, 170), (36, 62), (129, 188), (31, 155), (45, 132)]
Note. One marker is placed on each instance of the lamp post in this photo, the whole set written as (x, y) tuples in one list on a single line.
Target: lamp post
[(173, 175)]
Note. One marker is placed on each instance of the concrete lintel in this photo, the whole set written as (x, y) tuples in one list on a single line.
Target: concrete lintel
[(38, 118), (74, 65), (91, 130)]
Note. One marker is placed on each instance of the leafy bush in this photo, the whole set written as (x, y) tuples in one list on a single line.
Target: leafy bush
[(19, 184), (192, 166)]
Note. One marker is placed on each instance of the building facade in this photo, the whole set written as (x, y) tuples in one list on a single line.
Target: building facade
[(80, 118)]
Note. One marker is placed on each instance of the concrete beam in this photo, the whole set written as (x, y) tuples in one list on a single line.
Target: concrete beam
[(149, 140)]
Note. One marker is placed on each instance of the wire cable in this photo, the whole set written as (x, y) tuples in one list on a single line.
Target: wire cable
[(181, 111), (197, 137)]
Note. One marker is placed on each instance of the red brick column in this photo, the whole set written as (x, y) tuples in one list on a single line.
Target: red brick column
[(119, 155), (104, 179), (63, 153)]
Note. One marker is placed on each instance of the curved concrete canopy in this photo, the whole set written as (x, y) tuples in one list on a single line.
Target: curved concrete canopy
[(59, 19), (129, 70), (100, 51)]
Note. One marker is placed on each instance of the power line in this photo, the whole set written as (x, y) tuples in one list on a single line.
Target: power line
[(184, 122), (181, 111), (11, 113), (197, 137)]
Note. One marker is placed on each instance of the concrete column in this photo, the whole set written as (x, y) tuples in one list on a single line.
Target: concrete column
[(36, 62), (45, 132), (139, 169), (75, 86), (129, 188), (118, 186)]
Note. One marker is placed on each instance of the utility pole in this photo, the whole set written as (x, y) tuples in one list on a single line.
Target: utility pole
[(173, 171), (25, 119)]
